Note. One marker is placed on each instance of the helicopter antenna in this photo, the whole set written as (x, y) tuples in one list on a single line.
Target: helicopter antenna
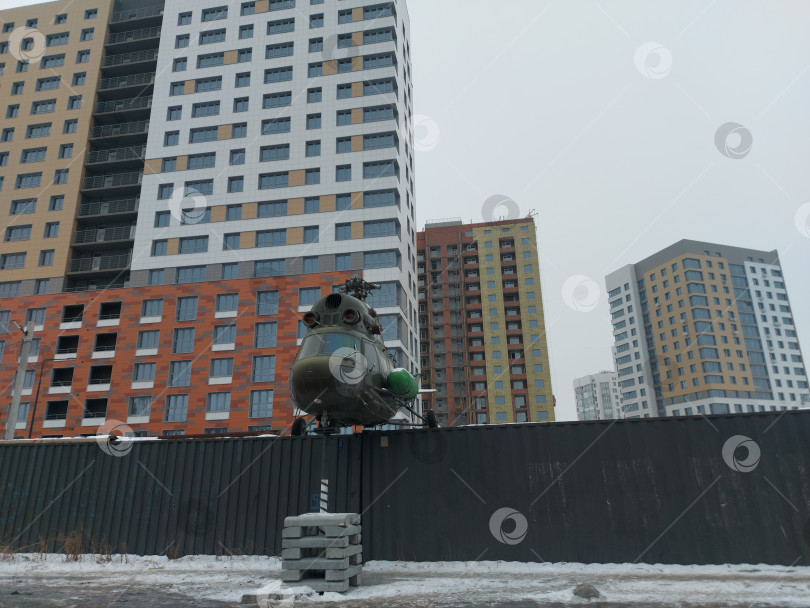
[(358, 288)]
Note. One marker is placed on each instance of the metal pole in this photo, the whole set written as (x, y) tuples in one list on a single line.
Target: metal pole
[(14, 408)]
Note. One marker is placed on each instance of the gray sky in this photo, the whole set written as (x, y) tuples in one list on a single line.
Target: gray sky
[(546, 103)]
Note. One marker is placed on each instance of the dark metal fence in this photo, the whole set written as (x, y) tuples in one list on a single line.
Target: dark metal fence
[(653, 491)]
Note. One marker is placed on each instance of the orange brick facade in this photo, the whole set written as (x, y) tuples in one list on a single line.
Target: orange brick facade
[(130, 323)]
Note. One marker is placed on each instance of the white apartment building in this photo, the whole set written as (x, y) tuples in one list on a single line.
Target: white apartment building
[(281, 143), (597, 396), (702, 328)]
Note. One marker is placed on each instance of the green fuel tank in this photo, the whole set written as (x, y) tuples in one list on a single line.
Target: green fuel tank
[(402, 384)]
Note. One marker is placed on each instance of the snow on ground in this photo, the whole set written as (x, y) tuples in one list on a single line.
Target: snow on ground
[(228, 578)]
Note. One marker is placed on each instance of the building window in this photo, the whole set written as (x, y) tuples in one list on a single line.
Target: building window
[(156, 277), (261, 404), (60, 176), (148, 340), (144, 372), (343, 173), (224, 334), (46, 257), (227, 302), (236, 184), (313, 148), (307, 296), (267, 303), (66, 151), (214, 14), (152, 308), (269, 268), (311, 265), (313, 121), (314, 95), (264, 368), (190, 274), (176, 407), (221, 368), (230, 271), (343, 261), (180, 373), (140, 406), (83, 56), (183, 340), (184, 18), (186, 309), (218, 402), (231, 242), (265, 335), (51, 230), (171, 138)]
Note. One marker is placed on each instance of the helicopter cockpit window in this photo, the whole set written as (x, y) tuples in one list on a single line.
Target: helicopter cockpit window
[(370, 353), (326, 344)]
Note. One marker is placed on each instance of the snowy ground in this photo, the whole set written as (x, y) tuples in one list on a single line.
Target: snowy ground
[(31, 580)]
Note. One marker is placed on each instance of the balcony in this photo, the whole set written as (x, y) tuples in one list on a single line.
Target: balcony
[(95, 236), (101, 263), (135, 40), (113, 180), (131, 80), (125, 105), (81, 286), (125, 132), (130, 157), (128, 58), (145, 12), (89, 209)]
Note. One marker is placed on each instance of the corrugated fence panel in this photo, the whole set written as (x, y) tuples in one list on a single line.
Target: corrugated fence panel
[(648, 491), (169, 497)]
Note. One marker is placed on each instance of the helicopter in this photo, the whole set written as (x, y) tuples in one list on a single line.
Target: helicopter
[(343, 375)]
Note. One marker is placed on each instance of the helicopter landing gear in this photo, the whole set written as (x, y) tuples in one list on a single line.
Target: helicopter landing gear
[(430, 420), (298, 427), (326, 425)]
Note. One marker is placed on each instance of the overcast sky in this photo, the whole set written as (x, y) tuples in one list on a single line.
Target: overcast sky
[(600, 117), (546, 103)]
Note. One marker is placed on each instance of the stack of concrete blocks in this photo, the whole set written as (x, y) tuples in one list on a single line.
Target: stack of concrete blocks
[(322, 551)]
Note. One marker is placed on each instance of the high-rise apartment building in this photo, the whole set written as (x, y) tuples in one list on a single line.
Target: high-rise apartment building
[(483, 338), (703, 328), (597, 396), (218, 151)]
